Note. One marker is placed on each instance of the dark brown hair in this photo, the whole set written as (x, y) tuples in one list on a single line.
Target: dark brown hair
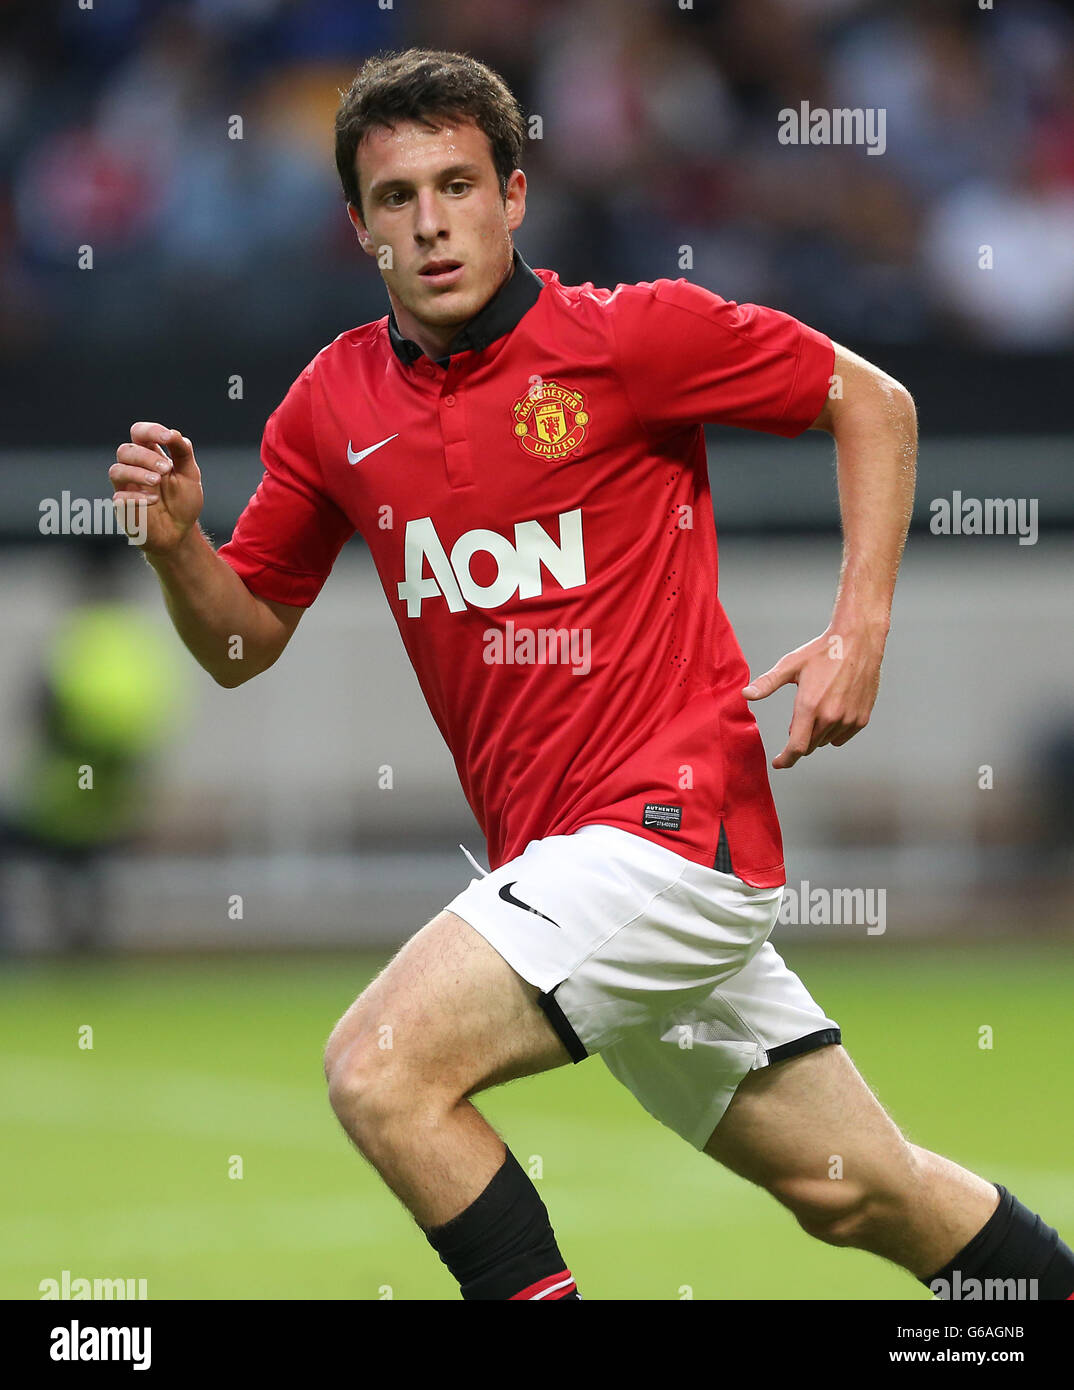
[(429, 86)]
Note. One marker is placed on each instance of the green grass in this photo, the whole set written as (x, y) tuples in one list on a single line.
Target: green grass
[(115, 1160)]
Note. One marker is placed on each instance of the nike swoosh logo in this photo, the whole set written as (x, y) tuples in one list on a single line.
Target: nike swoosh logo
[(509, 897), (352, 457)]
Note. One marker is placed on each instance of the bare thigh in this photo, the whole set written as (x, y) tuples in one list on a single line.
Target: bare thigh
[(812, 1132), (446, 1017), (811, 1117)]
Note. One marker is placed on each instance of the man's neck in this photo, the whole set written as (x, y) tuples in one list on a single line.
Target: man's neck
[(435, 343)]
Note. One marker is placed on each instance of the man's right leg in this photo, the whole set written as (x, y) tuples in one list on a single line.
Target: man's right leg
[(448, 1017), (789, 1122)]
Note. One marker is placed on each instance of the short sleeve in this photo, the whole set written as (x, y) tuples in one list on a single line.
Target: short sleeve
[(686, 357), (289, 534)]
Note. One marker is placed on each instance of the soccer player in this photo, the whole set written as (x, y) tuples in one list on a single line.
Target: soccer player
[(526, 462)]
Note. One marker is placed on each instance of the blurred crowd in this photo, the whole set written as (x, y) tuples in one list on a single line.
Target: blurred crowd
[(659, 123)]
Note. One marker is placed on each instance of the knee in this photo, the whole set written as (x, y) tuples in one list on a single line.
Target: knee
[(374, 1092), (364, 1090), (335, 1053), (838, 1211)]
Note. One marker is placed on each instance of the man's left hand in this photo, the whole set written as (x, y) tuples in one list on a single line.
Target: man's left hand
[(838, 675)]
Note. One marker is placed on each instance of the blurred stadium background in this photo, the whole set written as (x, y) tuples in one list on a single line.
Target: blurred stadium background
[(212, 916)]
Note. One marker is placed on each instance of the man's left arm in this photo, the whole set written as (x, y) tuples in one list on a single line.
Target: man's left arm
[(874, 424)]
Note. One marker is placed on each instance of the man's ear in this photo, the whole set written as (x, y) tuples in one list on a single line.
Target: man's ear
[(515, 200), (364, 239)]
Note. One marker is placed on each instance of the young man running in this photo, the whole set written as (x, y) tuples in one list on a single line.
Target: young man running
[(526, 462)]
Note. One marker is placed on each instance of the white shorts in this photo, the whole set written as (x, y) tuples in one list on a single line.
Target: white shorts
[(660, 965)]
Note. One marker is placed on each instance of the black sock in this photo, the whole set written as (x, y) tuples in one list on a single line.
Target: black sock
[(503, 1246), (1013, 1244)]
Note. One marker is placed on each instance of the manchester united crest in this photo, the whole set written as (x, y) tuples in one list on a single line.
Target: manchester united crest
[(550, 420)]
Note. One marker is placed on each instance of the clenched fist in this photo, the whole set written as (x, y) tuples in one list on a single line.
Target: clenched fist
[(159, 483)]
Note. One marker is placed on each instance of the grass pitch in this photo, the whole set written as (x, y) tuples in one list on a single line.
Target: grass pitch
[(116, 1159)]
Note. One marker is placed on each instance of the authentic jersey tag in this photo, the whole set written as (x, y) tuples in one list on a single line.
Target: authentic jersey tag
[(657, 816)]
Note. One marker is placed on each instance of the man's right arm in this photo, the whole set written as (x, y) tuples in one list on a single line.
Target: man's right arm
[(234, 634)]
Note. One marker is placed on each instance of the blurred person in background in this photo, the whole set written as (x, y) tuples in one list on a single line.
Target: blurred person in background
[(104, 703)]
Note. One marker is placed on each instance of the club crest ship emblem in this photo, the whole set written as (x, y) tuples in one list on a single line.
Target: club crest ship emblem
[(550, 422)]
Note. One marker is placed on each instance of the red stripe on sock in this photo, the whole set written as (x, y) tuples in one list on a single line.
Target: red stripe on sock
[(532, 1290)]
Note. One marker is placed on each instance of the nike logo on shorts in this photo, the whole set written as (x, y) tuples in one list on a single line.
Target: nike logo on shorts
[(353, 457), (509, 897)]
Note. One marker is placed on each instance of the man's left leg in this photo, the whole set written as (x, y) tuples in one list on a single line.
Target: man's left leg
[(810, 1131)]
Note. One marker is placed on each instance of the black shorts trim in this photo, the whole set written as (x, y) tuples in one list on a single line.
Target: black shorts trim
[(822, 1038), (561, 1023)]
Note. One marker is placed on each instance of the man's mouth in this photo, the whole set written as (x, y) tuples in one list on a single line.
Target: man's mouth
[(441, 272)]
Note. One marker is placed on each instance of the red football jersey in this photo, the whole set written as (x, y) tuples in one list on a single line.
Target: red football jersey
[(537, 507)]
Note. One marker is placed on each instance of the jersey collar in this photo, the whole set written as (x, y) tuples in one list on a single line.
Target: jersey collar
[(498, 316)]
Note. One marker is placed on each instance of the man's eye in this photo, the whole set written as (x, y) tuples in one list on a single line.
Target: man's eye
[(458, 183), (397, 194)]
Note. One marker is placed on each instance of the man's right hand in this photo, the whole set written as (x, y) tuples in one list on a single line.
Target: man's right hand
[(167, 485)]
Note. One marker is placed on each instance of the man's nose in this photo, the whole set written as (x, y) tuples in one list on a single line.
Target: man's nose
[(430, 220)]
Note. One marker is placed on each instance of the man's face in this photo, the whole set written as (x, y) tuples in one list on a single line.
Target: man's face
[(431, 197)]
